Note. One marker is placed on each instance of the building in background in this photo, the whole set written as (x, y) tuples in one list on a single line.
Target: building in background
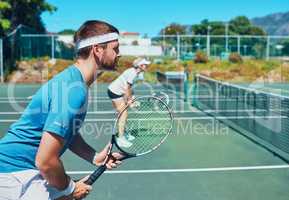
[(132, 44), (133, 38)]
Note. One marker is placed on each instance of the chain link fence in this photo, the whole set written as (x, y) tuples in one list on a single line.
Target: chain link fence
[(219, 46), (24, 43)]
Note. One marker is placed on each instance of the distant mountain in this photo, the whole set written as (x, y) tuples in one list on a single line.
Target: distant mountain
[(274, 24)]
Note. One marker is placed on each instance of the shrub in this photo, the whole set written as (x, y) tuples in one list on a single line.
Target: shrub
[(124, 63), (235, 58), (59, 66), (107, 77), (135, 43), (201, 57)]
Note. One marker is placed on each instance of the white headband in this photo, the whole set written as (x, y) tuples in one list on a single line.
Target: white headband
[(96, 40), (141, 61)]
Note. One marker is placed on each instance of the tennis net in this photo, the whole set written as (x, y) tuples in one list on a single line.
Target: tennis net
[(174, 83), (260, 116)]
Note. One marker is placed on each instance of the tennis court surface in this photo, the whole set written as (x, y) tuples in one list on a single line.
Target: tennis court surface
[(206, 157)]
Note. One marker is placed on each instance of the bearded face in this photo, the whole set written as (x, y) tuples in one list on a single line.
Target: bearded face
[(109, 61)]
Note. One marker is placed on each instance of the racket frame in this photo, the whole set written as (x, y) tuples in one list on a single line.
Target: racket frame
[(101, 169)]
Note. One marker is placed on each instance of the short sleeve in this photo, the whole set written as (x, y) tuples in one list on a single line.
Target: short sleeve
[(64, 110), (130, 75)]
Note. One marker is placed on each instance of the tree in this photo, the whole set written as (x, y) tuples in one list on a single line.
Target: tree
[(240, 21), (202, 28), (134, 43), (4, 22), (67, 32), (173, 29), (27, 12), (285, 50), (254, 30), (241, 25)]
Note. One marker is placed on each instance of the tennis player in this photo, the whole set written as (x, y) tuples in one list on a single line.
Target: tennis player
[(121, 94), (30, 164)]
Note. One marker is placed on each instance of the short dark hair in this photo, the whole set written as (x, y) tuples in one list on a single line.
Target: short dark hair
[(89, 29)]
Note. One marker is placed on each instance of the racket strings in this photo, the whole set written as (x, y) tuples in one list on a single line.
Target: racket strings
[(149, 124)]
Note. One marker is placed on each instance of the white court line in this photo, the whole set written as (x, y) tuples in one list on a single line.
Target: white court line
[(196, 118), (27, 101), (97, 100), (98, 112), (218, 169), (86, 120), (90, 98), (177, 118), (175, 112), (13, 101), (26, 98), (16, 98)]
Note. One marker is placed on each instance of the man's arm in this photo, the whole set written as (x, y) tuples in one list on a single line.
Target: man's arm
[(48, 162), (82, 149), (85, 151)]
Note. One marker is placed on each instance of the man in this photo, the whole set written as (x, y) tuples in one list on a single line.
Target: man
[(30, 165), (120, 93)]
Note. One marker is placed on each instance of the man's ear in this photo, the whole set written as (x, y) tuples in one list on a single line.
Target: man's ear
[(97, 53), (97, 49)]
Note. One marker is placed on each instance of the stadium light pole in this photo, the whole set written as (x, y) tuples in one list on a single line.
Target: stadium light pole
[(268, 48), (239, 44), (1, 61), (208, 40), (226, 34), (178, 47), (245, 50), (163, 37), (52, 47)]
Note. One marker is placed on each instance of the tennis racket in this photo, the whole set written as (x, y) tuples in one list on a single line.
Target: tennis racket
[(138, 130), (163, 96)]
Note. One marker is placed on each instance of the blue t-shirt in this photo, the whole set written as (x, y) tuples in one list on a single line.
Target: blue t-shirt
[(59, 107)]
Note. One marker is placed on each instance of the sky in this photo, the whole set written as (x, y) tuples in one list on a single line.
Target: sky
[(150, 16)]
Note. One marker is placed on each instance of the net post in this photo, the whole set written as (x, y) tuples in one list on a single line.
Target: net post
[(185, 85), (216, 107), (254, 107), (195, 89), (217, 99)]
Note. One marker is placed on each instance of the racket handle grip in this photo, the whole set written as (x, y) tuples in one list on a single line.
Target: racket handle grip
[(95, 175)]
